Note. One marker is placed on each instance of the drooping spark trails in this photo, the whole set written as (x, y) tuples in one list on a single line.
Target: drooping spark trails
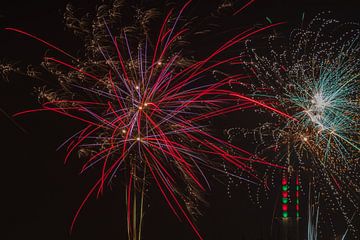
[(144, 106), (315, 79)]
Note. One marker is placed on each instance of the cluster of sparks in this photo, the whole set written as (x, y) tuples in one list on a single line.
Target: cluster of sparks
[(145, 107), (314, 79)]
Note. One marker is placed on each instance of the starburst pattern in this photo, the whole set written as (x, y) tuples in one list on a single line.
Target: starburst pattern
[(315, 80), (145, 106)]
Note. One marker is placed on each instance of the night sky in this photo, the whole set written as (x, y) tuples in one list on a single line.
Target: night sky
[(40, 195)]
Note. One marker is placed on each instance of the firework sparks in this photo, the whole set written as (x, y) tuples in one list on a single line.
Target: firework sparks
[(315, 80), (144, 106)]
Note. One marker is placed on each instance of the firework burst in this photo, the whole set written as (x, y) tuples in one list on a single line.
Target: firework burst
[(144, 106), (315, 80)]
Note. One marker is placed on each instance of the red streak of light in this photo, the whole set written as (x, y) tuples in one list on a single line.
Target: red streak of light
[(243, 7), (264, 106), (161, 189), (80, 141), (40, 40)]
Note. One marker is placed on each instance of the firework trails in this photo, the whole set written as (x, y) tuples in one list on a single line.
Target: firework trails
[(146, 86), (144, 105), (315, 80)]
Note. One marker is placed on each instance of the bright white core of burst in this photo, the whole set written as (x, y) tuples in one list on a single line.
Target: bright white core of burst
[(317, 108)]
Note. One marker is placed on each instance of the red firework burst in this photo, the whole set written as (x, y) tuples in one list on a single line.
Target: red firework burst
[(144, 107)]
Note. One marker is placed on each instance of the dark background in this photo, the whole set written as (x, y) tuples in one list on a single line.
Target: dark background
[(40, 194)]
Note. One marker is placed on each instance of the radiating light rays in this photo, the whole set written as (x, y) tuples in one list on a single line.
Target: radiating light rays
[(314, 78), (329, 104), (145, 106)]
